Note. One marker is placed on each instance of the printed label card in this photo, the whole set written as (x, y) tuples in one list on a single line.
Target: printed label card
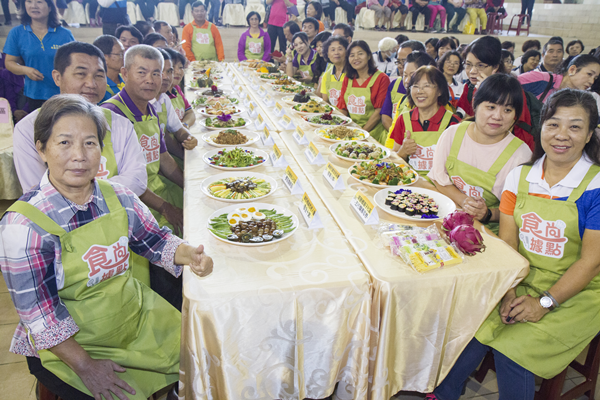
[(265, 136), (252, 110), (279, 111), (309, 213), (290, 180), (313, 155), (333, 177), (365, 210), (268, 100), (300, 137), (287, 123), (277, 159)]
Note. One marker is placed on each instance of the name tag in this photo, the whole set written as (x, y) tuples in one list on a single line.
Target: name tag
[(299, 136), (313, 155), (290, 180), (309, 213), (277, 158), (365, 210), (265, 136), (286, 123), (333, 177)]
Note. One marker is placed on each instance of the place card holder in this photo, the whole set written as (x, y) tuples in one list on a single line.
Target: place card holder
[(291, 181), (365, 210), (333, 177), (277, 159), (287, 123), (309, 213), (300, 137), (268, 100), (266, 137), (313, 155)]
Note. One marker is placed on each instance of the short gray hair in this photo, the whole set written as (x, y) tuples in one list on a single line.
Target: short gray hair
[(387, 44), (144, 51), (63, 105)]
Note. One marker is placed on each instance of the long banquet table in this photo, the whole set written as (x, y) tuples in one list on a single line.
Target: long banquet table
[(332, 305)]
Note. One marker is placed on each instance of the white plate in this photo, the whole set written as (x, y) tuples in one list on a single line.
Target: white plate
[(274, 87), (310, 114), (445, 205), (213, 178), (258, 206), (202, 111), (226, 92), (378, 185), (269, 80), (290, 99), (294, 82), (347, 119), (258, 153), (253, 137), (203, 123), (322, 131), (387, 152), (210, 98)]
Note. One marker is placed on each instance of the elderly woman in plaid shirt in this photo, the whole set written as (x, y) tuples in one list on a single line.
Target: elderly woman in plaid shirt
[(65, 255)]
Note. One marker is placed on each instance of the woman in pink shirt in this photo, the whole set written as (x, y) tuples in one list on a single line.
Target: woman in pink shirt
[(277, 18), (382, 12)]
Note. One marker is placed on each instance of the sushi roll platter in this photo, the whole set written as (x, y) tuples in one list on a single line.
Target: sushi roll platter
[(414, 203)]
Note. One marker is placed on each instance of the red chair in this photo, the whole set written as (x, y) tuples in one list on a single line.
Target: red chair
[(551, 389), (494, 23), (518, 29)]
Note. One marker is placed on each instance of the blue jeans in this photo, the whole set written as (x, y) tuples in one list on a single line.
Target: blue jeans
[(514, 381), (215, 8)]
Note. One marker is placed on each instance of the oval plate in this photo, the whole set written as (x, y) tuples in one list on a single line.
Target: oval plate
[(202, 110), (445, 205), (259, 153), (361, 135), (378, 185), (203, 123), (387, 152), (253, 137), (214, 178), (259, 206), (290, 99), (315, 125)]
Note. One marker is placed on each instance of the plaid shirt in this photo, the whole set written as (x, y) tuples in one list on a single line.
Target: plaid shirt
[(30, 259)]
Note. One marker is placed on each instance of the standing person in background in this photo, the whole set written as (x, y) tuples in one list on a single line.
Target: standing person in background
[(215, 10), (420, 7), (436, 7), (476, 9), (202, 39), (310, 26), (6, 11), (346, 6), (277, 18), (93, 9), (31, 46), (148, 8), (334, 50), (552, 55), (527, 7), (315, 10), (385, 57), (363, 90), (454, 7), (182, 5), (254, 44), (382, 12), (129, 36), (114, 53), (178, 100)]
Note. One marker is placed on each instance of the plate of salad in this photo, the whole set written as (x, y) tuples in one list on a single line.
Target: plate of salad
[(287, 89), (204, 101), (270, 77), (238, 158), (360, 151), (383, 174), (236, 187), (327, 119), (224, 122)]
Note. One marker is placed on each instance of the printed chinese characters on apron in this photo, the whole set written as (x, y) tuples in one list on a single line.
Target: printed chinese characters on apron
[(148, 133), (178, 105), (360, 108), (305, 69), (550, 240), (203, 44), (334, 85), (255, 48), (472, 181), (422, 160), (119, 318)]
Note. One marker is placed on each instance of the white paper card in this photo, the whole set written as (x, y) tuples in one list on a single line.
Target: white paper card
[(268, 100), (313, 155), (300, 137), (279, 111), (252, 110), (287, 123), (277, 159), (365, 210), (291, 181), (266, 137), (333, 177), (309, 213)]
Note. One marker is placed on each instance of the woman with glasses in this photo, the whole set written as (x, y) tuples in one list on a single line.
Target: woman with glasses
[(451, 65), (417, 131), (472, 160), (364, 90)]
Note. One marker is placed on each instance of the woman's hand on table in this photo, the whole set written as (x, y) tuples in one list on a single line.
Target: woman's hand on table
[(34, 74), (201, 264), (190, 143), (101, 380), (475, 207), (526, 309)]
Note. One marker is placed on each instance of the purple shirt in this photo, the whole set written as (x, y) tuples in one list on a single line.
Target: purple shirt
[(131, 165), (388, 106), (124, 98), (313, 54), (266, 45)]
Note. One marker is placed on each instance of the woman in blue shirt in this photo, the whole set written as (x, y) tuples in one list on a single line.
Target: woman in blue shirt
[(30, 49)]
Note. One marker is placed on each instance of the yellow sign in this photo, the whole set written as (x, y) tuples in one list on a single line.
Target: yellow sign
[(248, 97), (251, 107), (260, 119), (266, 131), (291, 176), (276, 151), (363, 201), (287, 119), (313, 149), (278, 108), (309, 208), (332, 172), (300, 132)]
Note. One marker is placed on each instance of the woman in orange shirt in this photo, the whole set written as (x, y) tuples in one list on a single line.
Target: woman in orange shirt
[(314, 9)]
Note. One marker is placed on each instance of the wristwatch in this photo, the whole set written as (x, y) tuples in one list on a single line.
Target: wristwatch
[(488, 216), (548, 302)]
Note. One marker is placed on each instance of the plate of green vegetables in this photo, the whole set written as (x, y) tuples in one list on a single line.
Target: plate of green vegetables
[(237, 158)]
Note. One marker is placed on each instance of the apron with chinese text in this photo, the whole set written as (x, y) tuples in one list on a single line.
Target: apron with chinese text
[(148, 133), (333, 85), (305, 70), (472, 181), (203, 43), (119, 318), (163, 116), (178, 104), (255, 48), (360, 108), (422, 160), (549, 238)]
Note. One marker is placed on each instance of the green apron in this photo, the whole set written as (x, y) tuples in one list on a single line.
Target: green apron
[(255, 48), (178, 104), (549, 238), (395, 96), (164, 116), (398, 108), (360, 108), (148, 133), (333, 85), (119, 318), (472, 181), (422, 160), (108, 169), (203, 44), (305, 70)]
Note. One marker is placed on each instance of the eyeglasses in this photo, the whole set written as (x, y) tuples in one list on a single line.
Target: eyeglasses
[(479, 66), (400, 62), (453, 63), (120, 55), (424, 88)]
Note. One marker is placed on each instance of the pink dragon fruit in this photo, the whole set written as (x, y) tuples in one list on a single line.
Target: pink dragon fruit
[(455, 219), (467, 239)]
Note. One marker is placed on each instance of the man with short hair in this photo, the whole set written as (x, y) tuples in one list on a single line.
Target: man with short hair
[(396, 88), (310, 26), (164, 29), (114, 53), (344, 31), (201, 39), (552, 56)]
